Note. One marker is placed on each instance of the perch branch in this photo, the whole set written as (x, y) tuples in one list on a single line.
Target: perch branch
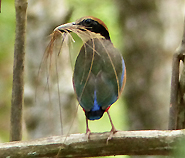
[(154, 142)]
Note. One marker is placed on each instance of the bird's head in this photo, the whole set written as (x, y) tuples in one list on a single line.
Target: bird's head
[(86, 28)]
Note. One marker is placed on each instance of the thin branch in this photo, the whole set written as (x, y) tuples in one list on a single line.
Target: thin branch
[(177, 90), (18, 71), (181, 105), (174, 93), (154, 142)]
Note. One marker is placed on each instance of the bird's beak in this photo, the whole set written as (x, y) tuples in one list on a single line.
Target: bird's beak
[(66, 27)]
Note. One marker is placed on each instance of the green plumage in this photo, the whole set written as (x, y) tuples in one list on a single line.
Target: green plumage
[(98, 68)]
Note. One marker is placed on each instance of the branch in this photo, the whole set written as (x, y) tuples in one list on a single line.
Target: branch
[(181, 105), (177, 103), (155, 142), (174, 93), (18, 71)]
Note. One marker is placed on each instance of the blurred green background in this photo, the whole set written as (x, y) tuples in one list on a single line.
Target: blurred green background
[(7, 36), (146, 33)]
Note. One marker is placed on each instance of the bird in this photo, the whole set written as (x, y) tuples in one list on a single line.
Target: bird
[(99, 73)]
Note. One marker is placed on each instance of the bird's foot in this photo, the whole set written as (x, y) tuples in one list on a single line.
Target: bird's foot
[(88, 132), (112, 132)]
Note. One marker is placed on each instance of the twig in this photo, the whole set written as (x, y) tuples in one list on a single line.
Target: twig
[(18, 71), (153, 142), (177, 90), (174, 92), (181, 105)]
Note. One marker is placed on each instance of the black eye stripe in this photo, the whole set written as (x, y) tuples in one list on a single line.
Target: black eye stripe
[(93, 26)]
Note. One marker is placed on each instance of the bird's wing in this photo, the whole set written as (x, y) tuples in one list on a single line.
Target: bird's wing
[(99, 68)]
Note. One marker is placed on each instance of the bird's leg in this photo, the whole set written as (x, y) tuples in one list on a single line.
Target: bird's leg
[(88, 131), (113, 130)]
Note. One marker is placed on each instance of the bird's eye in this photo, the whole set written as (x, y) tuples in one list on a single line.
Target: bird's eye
[(87, 21)]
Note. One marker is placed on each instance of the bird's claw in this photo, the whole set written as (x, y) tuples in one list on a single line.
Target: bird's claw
[(88, 132), (112, 132)]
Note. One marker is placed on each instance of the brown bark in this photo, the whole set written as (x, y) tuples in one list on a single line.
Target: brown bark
[(76, 145), (177, 104), (174, 93), (18, 71)]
